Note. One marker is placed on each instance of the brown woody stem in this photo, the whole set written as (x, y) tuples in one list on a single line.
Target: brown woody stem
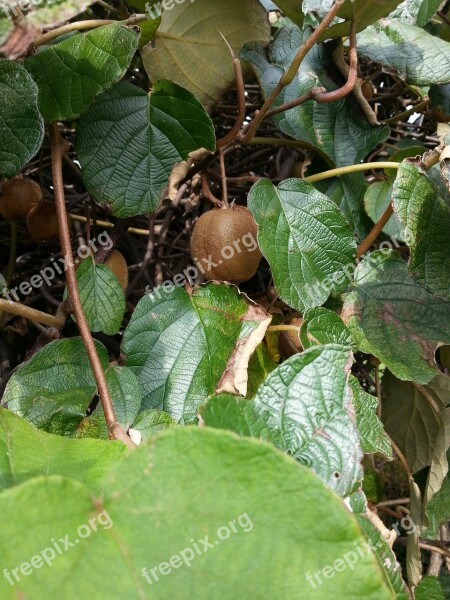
[(58, 149)]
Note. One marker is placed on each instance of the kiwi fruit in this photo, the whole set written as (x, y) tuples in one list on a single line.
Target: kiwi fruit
[(117, 264), (42, 222), (219, 241), (17, 197), (367, 90)]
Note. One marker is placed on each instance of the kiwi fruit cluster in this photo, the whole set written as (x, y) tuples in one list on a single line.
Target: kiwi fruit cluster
[(218, 246), (22, 199)]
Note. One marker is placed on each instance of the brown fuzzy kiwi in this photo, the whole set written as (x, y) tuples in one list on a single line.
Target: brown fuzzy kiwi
[(42, 222), (118, 265), (221, 236), (17, 197), (367, 90)]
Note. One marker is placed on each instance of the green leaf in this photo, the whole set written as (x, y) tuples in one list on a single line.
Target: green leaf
[(260, 365), (392, 317), (420, 58), (21, 126), (129, 141), (416, 12), (337, 129), (70, 74), (152, 422), (305, 409), (411, 416), (53, 389), (275, 511), (102, 297), (26, 452), (438, 510), (189, 48), (305, 238), (323, 326), (183, 346), (386, 557), (426, 217), (370, 428), (125, 393), (376, 201), (48, 13), (434, 588), (364, 12), (346, 191), (292, 9), (306, 400)]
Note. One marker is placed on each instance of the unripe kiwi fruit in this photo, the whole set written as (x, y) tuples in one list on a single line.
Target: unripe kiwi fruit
[(17, 197), (42, 222), (117, 264), (220, 236)]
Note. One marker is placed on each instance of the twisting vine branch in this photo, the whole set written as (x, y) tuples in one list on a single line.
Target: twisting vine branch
[(246, 136), (58, 148)]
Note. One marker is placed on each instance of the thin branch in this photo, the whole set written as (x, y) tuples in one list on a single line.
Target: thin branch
[(15, 308), (58, 148), (416, 108), (83, 26), (375, 232), (107, 224), (351, 169), (207, 192), (352, 74), (223, 175), (246, 136), (297, 102), (274, 328), (240, 88)]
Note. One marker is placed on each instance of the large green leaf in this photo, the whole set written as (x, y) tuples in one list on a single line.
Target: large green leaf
[(230, 507), (411, 416), (129, 141), (420, 58), (426, 217), (70, 74), (189, 48), (394, 318), (53, 389), (305, 238), (304, 407), (101, 296), (150, 423), (182, 346), (338, 129), (26, 452), (21, 125)]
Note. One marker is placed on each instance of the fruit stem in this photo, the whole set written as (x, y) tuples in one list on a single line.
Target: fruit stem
[(58, 148), (223, 175)]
